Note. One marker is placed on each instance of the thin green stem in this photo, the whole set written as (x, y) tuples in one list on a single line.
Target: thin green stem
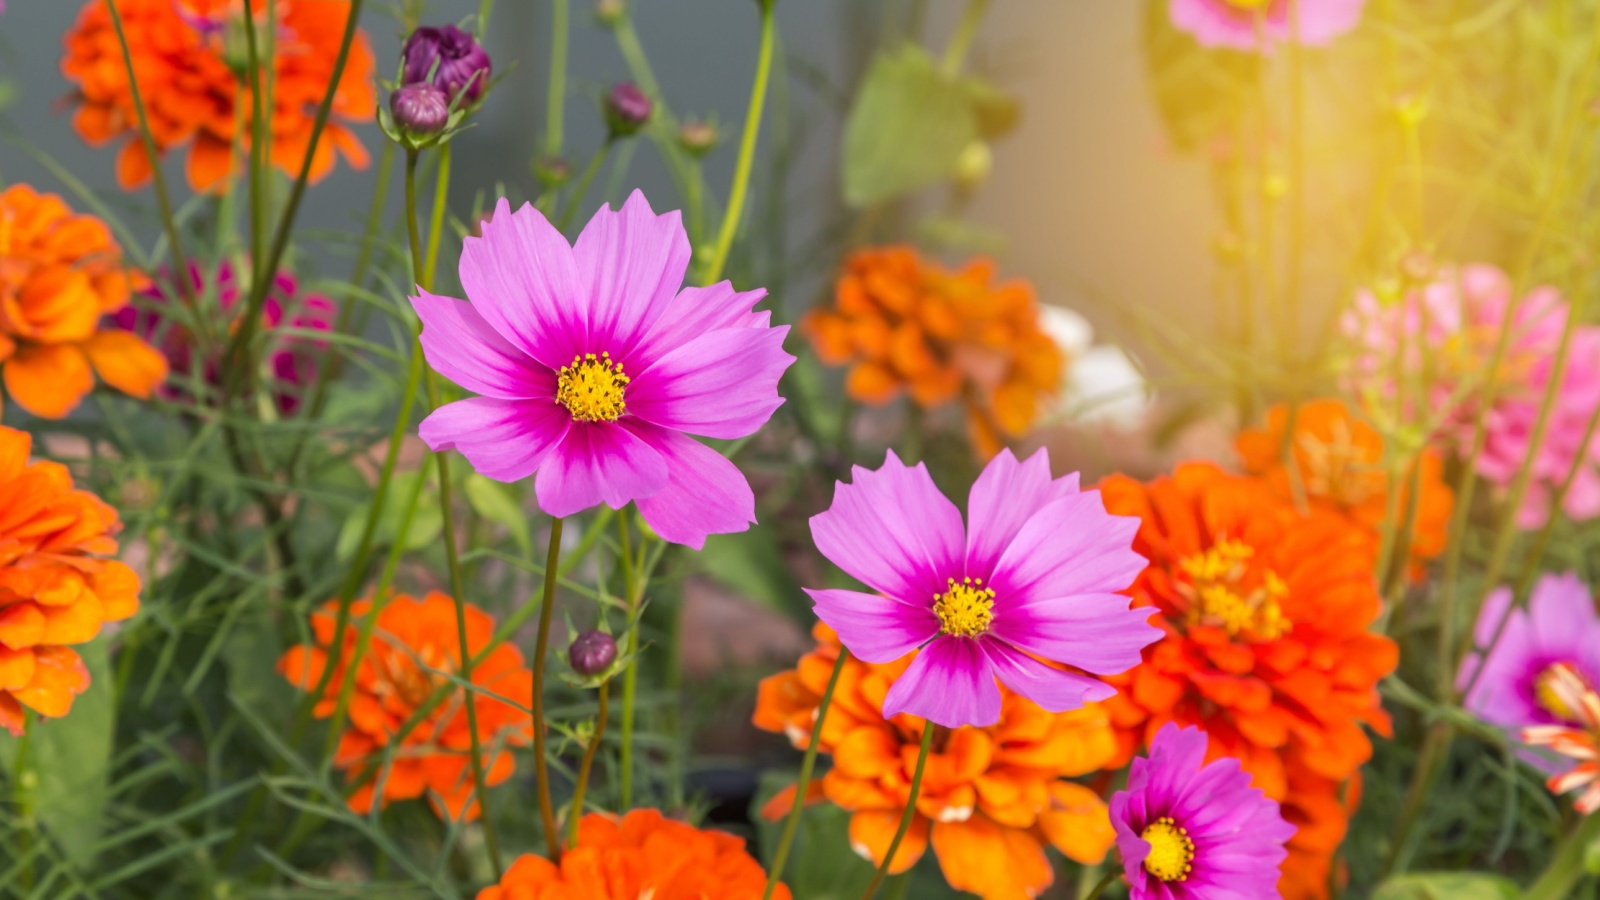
[(485, 10), (587, 766), (556, 100), (630, 675), (909, 814), (791, 825), (575, 199), (955, 53), (541, 766), (747, 148), (1100, 888), (169, 225), (1567, 866), (441, 194)]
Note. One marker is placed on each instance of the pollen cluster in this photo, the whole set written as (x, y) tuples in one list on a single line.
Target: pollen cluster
[(591, 388), (1225, 593), (1171, 850), (966, 609)]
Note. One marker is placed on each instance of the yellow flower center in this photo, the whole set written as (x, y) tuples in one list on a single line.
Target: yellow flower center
[(1545, 691), (1335, 468), (1222, 592), (591, 388), (1248, 5), (1171, 851), (966, 609)]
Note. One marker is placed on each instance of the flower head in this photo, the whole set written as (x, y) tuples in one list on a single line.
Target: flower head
[(186, 54), (1191, 830), (57, 584), (1582, 743), (293, 359), (59, 273), (420, 110), (905, 324), (1447, 331), (1265, 611), (412, 649), (991, 798), (1258, 24), (452, 59), (641, 855), (1031, 577), (592, 652), (595, 367), (1337, 462), (627, 109), (1560, 628)]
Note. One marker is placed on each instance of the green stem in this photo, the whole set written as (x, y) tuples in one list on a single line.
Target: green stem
[(1111, 877), (792, 824), (575, 200), (747, 148), (1567, 867), (556, 101), (905, 817), (258, 204), (441, 193), (961, 42), (169, 225), (485, 10), (630, 675), (588, 762), (541, 766)]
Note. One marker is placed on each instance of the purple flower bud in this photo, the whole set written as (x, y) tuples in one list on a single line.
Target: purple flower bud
[(627, 109), (420, 110), (458, 56), (592, 653)]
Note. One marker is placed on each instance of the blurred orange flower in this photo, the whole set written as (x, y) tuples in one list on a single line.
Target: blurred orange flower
[(642, 855), (1266, 611), (413, 646), (904, 323), (59, 274), (991, 797), (56, 585), (1338, 459), (191, 56)]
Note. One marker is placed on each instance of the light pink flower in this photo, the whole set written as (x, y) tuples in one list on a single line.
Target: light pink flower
[(594, 367), (1232, 23), (1033, 576), (1449, 330)]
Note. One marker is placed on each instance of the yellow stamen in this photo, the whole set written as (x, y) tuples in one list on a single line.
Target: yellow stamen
[(1556, 687), (592, 388), (1248, 5), (1171, 851), (1218, 595), (966, 609)]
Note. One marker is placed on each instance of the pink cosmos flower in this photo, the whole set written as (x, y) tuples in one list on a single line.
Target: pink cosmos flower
[(294, 359), (1033, 576), (594, 368), (1188, 831), (1581, 743), (1232, 23), (1449, 329)]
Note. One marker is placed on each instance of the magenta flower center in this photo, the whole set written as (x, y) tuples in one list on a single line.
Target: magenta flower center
[(966, 609), (1225, 590), (1171, 850), (591, 388)]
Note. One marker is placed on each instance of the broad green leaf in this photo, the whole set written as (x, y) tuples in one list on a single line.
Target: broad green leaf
[(495, 502), (69, 759), (906, 129), (1447, 886), (751, 563)]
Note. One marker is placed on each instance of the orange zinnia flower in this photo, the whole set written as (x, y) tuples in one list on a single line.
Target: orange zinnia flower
[(991, 797), (643, 854), (1266, 612), (907, 324), (59, 274), (56, 585), (191, 57), (413, 646), (1338, 458)]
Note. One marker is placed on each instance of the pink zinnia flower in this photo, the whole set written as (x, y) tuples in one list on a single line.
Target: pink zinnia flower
[(1232, 23), (1194, 831), (1581, 743), (594, 367), (1033, 576), (1449, 330), (294, 359)]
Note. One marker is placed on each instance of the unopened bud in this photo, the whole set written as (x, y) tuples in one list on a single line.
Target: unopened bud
[(420, 110), (698, 138), (552, 171), (627, 109), (457, 63), (592, 653), (609, 12)]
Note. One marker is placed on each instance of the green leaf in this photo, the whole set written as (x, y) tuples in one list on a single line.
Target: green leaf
[(251, 659), (1591, 857), (906, 129), (997, 112), (69, 761), (426, 522), (495, 502), (751, 563), (1447, 886)]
